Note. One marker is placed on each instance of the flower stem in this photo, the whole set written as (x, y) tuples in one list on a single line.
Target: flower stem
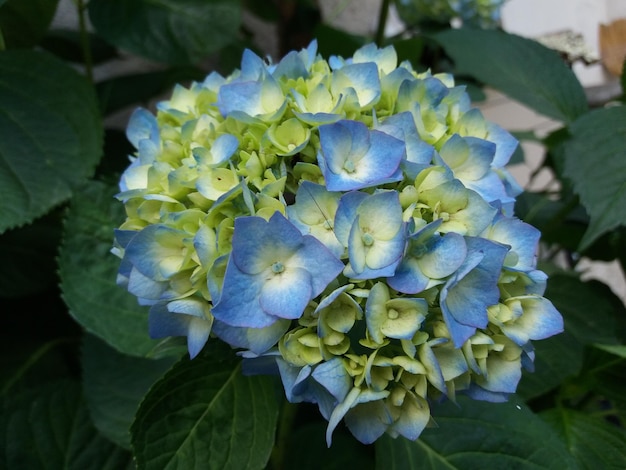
[(81, 7), (382, 21)]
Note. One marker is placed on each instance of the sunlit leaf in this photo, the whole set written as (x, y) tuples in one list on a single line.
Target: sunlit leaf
[(478, 435), (205, 414), (588, 311), (521, 68), (596, 165)]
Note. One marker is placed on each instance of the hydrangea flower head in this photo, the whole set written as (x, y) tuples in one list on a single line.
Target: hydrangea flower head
[(349, 221)]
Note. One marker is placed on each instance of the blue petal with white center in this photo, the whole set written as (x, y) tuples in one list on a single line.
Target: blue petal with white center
[(353, 157), (273, 272)]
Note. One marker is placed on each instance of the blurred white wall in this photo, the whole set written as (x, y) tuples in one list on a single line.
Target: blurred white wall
[(533, 18)]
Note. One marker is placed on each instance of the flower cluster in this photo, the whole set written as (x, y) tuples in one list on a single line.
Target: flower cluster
[(348, 221), (476, 13)]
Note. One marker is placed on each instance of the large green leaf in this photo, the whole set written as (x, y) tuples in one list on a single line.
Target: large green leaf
[(88, 272), (49, 428), (171, 31), (594, 442), (596, 165), (205, 414), (307, 448), (24, 22), (478, 435), (51, 134), (114, 384), (556, 358), (521, 68), (588, 309)]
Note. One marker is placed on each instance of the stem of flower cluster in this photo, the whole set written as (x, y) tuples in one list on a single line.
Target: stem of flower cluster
[(81, 8), (382, 21)]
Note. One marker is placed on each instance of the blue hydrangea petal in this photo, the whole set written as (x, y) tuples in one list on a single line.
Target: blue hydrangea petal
[(257, 340), (503, 376), (362, 78), (278, 239), (333, 376), (346, 214), (183, 318), (466, 295), (157, 251), (222, 148), (521, 237), (540, 320), (408, 277), (368, 421), (413, 418), (264, 270), (385, 58), (147, 290), (373, 157), (238, 304), (505, 144), (314, 213), (476, 392), (432, 366), (142, 125), (444, 256), (288, 294)]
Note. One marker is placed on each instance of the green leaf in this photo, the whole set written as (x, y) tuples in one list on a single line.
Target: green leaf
[(521, 68), (88, 271), (410, 49), (170, 31), (26, 366), (594, 442), (589, 313), (307, 448), (49, 428), (25, 22), (114, 384), (556, 359), (559, 222), (22, 248), (205, 414), (596, 165), (616, 349), (119, 92), (51, 134), (478, 435)]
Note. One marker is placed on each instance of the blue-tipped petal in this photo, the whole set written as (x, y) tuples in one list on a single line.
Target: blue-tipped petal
[(467, 294), (257, 340), (368, 421), (353, 157), (142, 125)]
